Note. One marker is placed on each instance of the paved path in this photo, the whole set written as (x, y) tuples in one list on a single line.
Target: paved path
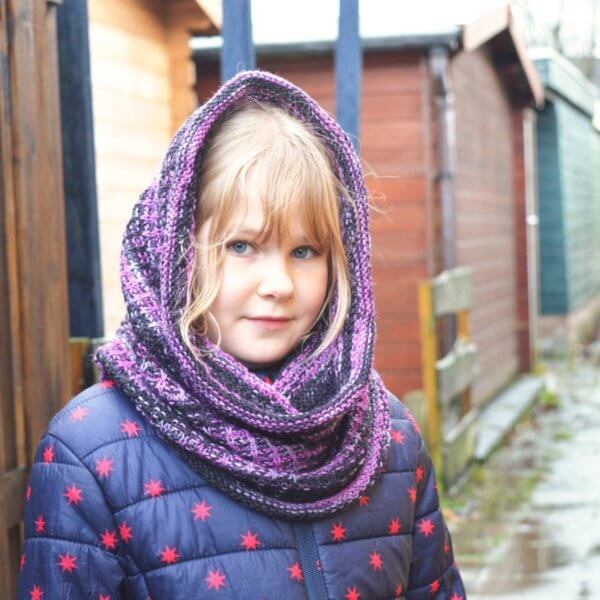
[(528, 526)]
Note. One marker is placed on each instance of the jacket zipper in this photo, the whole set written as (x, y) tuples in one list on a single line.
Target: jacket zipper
[(307, 548)]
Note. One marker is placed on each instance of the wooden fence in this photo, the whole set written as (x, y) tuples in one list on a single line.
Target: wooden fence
[(34, 351)]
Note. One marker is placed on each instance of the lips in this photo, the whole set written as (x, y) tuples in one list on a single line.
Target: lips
[(269, 322)]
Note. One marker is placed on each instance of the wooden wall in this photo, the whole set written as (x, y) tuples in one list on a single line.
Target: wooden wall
[(142, 89), (485, 215), (34, 354)]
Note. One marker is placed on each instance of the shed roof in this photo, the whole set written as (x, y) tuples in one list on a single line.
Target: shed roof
[(495, 29), (563, 79)]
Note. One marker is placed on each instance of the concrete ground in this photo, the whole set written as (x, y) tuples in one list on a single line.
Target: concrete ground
[(527, 525)]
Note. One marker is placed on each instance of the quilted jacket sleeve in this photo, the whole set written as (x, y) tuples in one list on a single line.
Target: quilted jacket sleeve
[(433, 572), (70, 548)]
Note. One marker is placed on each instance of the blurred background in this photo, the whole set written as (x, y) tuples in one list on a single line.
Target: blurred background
[(478, 126)]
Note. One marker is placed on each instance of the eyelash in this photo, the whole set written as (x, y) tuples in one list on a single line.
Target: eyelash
[(231, 245)]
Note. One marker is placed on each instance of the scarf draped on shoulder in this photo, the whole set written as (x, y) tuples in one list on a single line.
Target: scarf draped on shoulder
[(303, 447)]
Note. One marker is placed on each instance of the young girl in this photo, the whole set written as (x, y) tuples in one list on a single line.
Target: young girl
[(240, 443)]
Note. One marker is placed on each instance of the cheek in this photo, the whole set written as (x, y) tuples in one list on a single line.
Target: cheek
[(317, 289)]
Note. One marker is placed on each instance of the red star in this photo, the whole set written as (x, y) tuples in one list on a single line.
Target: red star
[(363, 500), (426, 527), (201, 510), (107, 383), (78, 414), (398, 590), (48, 455), (102, 597), (22, 563), (67, 562), (318, 565), (394, 527), (28, 493), (420, 471), (250, 540), (446, 546), (397, 436), (338, 532), (154, 488), (376, 561), (295, 572), (352, 594), (40, 524), (73, 494), (169, 555), (36, 593), (109, 539), (125, 532), (412, 492), (435, 586), (215, 579), (455, 596), (131, 428), (104, 467)]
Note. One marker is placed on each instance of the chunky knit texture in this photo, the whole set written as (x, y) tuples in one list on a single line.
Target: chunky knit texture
[(309, 444)]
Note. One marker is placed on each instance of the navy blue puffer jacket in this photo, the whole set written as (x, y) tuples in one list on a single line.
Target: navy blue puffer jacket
[(113, 512)]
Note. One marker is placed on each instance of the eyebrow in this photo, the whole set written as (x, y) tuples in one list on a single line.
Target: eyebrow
[(254, 233)]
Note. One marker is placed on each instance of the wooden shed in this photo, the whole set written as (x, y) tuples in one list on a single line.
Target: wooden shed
[(142, 90), (446, 119), (569, 197)]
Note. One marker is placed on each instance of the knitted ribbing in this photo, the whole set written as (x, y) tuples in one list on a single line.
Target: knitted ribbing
[(309, 444)]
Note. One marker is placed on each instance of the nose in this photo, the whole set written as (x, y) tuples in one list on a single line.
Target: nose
[(276, 280)]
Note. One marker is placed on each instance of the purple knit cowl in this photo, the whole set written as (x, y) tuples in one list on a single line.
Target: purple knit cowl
[(303, 447)]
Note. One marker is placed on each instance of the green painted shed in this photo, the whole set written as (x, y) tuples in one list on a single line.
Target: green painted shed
[(568, 177)]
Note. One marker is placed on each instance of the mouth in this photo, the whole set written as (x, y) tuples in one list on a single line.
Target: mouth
[(269, 322)]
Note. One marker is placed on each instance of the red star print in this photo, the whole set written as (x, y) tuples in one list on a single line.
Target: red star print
[(446, 546), (73, 494), (48, 455), (107, 383), (131, 428), (394, 527), (109, 539), (397, 436), (125, 532), (250, 540), (426, 527), (352, 594), (78, 414), (40, 524), (215, 579), (36, 593), (169, 555), (295, 572), (412, 492), (154, 488), (455, 596), (420, 471), (318, 565), (363, 500), (398, 590), (22, 563), (201, 510), (104, 467), (376, 561), (338, 532), (104, 597), (28, 493), (67, 562), (435, 586)]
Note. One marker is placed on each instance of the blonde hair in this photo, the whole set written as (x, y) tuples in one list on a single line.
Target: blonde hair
[(261, 150)]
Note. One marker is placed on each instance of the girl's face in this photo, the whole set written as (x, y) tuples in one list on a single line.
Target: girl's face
[(271, 292)]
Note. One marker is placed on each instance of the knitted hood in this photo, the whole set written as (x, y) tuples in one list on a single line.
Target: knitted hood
[(313, 441)]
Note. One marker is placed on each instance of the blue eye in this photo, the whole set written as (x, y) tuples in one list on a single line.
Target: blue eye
[(303, 252), (239, 247)]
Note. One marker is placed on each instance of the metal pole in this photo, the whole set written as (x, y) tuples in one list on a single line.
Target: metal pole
[(237, 53)]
